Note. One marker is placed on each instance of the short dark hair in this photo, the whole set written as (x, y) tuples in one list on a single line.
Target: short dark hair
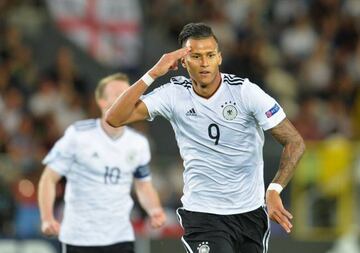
[(195, 31)]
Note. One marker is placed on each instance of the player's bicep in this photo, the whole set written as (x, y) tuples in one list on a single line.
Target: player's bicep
[(142, 185), (50, 175), (139, 113), (143, 188)]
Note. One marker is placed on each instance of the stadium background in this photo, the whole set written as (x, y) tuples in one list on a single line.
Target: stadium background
[(306, 53)]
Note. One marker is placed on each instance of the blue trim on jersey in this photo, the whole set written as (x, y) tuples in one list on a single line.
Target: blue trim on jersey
[(84, 125), (142, 171)]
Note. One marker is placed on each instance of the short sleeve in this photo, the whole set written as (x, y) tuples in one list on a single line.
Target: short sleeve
[(142, 172), (265, 109), (62, 155), (158, 102)]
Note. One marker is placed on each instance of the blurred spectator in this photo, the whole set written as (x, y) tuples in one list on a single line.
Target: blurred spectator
[(27, 214), (285, 11), (245, 60), (45, 99), (316, 72), (64, 71), (28, 16), (337, 120), (352, 7), (347, 35), (320, 10), (298, 41), (6, 209), (13, 109), (238, 11), (285, 88), (61, 100), (307, 120), (71, 107), (22, 145), (353, 64), (4, 138), (23, 69)]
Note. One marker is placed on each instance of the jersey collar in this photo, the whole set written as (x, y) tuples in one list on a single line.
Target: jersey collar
[(106, 135), (214, 96)]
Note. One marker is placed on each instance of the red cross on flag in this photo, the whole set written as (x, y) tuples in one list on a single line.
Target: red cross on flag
[(108, 29)]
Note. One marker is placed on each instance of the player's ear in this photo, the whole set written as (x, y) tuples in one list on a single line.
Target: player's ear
[(183, 62), (220, 59), (101, 103)]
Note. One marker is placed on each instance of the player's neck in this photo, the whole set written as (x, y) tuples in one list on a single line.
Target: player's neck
[(208, 90), (112, 132)]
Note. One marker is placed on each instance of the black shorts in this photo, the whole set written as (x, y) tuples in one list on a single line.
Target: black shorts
[(123, 247), (239, 233)]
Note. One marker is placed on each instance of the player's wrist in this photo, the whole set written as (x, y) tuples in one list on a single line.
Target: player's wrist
[(155, 73), (147, 78), (47, 221), (155, 211), (47, 217), (275, 187)]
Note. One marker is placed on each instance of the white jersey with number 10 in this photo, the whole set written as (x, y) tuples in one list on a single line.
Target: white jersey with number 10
[(99, 172)]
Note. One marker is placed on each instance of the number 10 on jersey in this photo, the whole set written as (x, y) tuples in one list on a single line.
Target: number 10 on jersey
[(112, 175)]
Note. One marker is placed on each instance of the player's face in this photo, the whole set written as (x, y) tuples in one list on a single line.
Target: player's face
[(112, 90), (203, 61)]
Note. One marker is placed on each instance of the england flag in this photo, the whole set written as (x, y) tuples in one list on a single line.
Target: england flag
[(109, 30)]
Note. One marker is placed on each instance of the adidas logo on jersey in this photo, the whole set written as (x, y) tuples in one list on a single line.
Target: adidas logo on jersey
[(95, 155), (191, 112)]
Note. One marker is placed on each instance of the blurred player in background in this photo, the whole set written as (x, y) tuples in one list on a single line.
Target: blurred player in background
[(218, 121), (99, 163)]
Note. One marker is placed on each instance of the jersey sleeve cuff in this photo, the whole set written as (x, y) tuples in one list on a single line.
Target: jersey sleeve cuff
[(142, 172), (58, 168), (149, 107), (274, 121), (144, 179)]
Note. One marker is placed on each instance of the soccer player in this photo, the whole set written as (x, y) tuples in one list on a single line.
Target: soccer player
[(218, 121), (99, 163)]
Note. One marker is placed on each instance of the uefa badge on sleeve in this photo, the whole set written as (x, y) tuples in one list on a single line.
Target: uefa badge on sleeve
[(229, 110), (203, 247), (272, 111)]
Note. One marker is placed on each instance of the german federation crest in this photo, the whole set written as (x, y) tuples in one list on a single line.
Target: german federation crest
[(203, 247), (229, 110)]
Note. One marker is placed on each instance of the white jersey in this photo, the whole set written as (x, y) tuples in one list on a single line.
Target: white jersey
[(99, 172), (220, 140)]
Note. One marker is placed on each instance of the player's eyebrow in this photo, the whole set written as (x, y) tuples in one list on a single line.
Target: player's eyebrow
[(207, 52)]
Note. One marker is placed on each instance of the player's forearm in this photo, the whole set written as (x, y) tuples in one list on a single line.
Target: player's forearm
[(125, 104), (148, 199), (46, 198), (294, 147), (290, 157)]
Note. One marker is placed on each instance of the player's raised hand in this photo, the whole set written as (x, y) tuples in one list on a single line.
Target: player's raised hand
[(157, 218), (168, 61), (276, 210), (50, 227)]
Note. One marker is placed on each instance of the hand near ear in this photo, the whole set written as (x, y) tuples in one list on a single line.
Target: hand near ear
[(168, 62)]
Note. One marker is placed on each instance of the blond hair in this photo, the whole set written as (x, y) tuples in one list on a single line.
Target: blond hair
[(99, 91)]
